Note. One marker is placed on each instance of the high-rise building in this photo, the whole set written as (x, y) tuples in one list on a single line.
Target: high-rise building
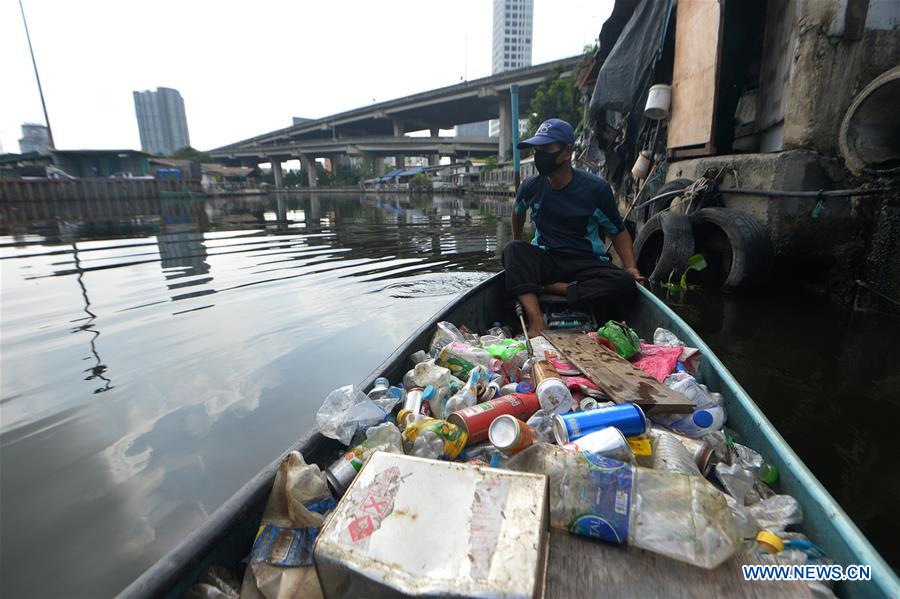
[(161, 120), (35, 138), (513, 25)]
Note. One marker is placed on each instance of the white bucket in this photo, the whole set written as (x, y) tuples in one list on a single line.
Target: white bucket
[(658, 101)]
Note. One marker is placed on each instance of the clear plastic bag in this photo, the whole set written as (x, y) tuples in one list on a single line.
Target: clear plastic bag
[(345, 411), (663, 336), (777, 512), (739, 482)]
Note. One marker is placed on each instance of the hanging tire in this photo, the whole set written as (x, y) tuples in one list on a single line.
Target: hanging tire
[(664, 245), (736, 247), (674, 185)]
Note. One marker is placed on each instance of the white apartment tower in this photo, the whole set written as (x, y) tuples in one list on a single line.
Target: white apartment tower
[(513, 25)]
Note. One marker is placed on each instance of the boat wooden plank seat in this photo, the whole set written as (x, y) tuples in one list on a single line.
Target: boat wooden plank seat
[(581, 567), (552, 298)]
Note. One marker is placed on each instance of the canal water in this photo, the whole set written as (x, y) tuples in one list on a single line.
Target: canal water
[(151, 365)]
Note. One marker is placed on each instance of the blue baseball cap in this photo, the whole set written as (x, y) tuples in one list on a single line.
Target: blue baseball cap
[(551, 131)]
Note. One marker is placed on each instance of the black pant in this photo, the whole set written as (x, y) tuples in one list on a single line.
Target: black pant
[(594, 284)]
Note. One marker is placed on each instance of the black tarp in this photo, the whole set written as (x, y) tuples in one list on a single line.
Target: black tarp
[(625, 76), (636, 31)]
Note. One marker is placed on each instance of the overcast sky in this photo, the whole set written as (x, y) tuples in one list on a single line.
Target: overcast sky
[(245, 68)]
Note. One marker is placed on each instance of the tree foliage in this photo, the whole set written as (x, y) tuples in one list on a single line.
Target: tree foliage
[(421, 182), (555, 98), (189, 153), (490, 163)]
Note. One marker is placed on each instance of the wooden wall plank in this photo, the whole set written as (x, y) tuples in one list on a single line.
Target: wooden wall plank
[(695, 73)]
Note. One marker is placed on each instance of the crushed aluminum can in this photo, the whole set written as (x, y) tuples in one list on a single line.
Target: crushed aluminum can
[(483, 535)]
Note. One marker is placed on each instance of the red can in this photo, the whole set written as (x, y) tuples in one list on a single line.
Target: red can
[(476, 420)]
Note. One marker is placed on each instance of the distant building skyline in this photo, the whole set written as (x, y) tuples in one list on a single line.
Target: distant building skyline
[(162, 121), (35, 138)]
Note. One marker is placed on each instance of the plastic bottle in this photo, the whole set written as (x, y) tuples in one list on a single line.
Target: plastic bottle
[(379, 388), (434, 439), (468, 395), (460, 358), (497, 331), (446, 333), (701, 423), (409, 379), (682, 517), (669, 454)]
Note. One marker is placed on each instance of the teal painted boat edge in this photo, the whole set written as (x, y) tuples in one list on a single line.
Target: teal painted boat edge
[(884, 581)]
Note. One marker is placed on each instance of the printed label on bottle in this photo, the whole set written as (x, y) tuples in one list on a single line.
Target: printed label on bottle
[(288, 547), (640, 447), (609, 485)]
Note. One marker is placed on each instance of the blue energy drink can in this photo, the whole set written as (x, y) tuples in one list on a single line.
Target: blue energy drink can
[(628, 418)]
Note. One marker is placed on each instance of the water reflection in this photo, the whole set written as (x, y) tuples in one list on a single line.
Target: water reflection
[(217, 318), (97, 370)]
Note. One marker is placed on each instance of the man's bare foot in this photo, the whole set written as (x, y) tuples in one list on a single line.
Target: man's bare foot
[(536, 329)]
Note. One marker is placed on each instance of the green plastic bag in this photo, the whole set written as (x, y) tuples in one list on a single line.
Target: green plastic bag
[(505, 350), (623, 338)]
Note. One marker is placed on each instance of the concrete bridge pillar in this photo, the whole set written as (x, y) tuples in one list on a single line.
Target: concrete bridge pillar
[(277, 173), (505, 147), (379, 166), (309, 165), (435, 131), (399, 130)]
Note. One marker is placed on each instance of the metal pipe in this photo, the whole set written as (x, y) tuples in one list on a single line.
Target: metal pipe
[(834, 193), (37, 77), (514, 109)]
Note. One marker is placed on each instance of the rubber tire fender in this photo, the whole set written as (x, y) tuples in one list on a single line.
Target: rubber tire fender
[(751, 248), (664, 244)]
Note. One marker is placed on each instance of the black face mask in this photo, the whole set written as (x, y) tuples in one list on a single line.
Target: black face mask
[(545, 162)]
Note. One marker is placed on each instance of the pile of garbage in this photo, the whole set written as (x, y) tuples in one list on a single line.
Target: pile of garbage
[(675, 484)]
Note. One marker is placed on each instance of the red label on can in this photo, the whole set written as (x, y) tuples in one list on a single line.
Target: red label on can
[(478, 418)]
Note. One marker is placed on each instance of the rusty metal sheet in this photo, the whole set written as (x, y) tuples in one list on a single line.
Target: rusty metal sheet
[(616, 376), (409, 526)]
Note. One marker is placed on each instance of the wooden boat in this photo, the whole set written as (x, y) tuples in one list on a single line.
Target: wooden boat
[(577, 566)]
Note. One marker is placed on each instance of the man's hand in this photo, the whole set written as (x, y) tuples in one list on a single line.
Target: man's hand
[(635, 273)]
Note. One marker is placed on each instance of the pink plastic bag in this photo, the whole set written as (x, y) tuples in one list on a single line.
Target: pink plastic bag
[(658, 360), (582, 385)]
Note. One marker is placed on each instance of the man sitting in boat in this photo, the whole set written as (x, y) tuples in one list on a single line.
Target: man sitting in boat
[(572, 211)]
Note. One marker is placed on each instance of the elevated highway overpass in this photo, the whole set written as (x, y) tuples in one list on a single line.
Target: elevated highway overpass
[(379, 129)]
